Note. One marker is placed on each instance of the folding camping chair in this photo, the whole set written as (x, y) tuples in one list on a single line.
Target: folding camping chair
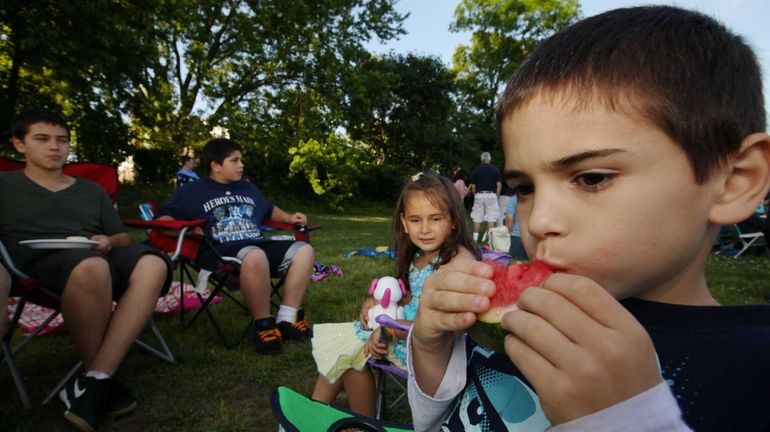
[(29, 290), (732, 242), (297, 413), (386, 374), (183, 249)]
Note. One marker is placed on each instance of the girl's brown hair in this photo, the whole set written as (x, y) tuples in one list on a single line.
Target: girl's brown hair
[(441, 193)]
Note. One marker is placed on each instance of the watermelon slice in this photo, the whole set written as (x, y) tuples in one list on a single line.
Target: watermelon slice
[(510, 282)]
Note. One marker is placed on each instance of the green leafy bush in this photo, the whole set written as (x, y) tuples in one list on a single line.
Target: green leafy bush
[(334, 168)]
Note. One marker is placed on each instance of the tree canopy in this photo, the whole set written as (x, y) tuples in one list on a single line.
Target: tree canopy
[(291, 81), (504, 32)]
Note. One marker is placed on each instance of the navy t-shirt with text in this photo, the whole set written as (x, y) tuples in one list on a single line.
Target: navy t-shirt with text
[(234, 212)]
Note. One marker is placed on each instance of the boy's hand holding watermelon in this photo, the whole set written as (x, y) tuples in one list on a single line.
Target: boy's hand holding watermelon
[(578, 347), (451, 298)]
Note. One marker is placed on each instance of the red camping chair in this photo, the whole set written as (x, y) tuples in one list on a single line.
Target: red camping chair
[(29, 290), (183, 249)]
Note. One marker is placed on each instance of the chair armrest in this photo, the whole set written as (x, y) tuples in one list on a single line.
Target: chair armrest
[(174, 224), (301, 232), (181, 243), (290, 227), (5, 258), (388, 322)]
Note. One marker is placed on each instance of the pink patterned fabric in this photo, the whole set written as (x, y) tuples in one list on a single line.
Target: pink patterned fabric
[(34, 315), (170, 302)]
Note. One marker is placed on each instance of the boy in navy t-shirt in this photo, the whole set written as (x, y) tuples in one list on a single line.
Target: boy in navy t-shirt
[(630, 137), (235, 210)]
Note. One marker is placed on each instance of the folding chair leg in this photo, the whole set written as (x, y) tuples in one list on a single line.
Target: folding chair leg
[(55, 391), (275, 294), (380, 397), (184, 272), (746, 246), (382, 407), (17, 378), (219, 289), (165, 352), (218, 328), (402, 394)]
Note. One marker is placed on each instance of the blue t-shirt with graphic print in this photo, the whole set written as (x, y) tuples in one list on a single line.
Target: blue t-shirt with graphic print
[(234, 212)]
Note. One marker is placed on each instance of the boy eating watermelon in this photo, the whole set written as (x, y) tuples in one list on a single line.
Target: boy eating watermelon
[(630, 138)]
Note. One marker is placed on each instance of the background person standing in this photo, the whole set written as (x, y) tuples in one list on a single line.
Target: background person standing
[(485, 187)]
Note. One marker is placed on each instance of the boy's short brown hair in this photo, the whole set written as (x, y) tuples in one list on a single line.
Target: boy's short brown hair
[(26, 118), (681, 70), (217, 150)]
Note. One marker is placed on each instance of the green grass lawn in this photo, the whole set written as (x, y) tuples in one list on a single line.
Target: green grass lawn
[(216, 389)]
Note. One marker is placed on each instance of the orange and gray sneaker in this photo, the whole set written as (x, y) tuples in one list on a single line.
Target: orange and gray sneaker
[(299, 331), (266, 336)]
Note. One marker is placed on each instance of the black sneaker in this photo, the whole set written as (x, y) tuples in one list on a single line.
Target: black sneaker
[(299, 331), (84, 400), (266, 337), (120, 400)]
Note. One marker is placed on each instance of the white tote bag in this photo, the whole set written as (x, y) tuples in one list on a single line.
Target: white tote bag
[(499, 238)]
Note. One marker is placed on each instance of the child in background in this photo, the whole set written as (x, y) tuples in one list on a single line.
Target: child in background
[(516, 250), (429, 230), (42, 202), (234, 210), (186, 174), (630, 138)]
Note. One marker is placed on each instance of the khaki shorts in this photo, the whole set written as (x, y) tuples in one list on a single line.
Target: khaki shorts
[(485, 208)]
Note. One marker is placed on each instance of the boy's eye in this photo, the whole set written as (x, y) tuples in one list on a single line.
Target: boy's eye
[(593, 180), (523, 190)]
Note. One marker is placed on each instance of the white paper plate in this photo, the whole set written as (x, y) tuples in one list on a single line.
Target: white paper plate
[(59, 244)]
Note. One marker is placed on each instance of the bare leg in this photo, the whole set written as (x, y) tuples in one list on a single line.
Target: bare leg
[(86, 305), (326, 391), (298, 276), (255, 283), (131, 313), (360, 387)]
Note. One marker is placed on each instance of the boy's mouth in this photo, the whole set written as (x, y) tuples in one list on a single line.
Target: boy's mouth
[(556, 267)]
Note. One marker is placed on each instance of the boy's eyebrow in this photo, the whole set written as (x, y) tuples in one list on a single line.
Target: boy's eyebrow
[(45, 135), (567, 161)]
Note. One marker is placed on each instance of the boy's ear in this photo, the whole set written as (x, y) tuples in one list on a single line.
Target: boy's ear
[(18, 144), (215, 166), (745, 183)]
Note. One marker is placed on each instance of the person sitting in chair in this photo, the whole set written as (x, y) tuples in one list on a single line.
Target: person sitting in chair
[(235, 208), (186, 174), (41, 202)]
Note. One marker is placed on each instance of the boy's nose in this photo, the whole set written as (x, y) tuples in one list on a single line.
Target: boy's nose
[(546, 218)]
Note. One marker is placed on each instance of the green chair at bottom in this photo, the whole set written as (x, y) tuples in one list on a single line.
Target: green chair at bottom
[(297, 413)]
